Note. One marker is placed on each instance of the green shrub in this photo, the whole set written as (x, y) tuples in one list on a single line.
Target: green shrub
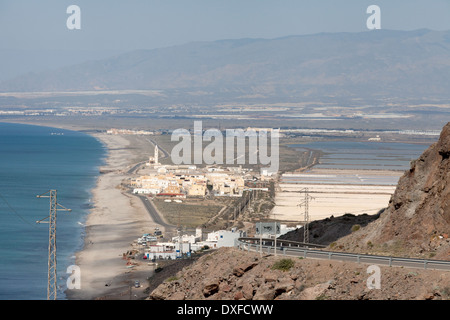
[(446, 291), (173, 278), (283, 265), (323, 297), (356, 227)]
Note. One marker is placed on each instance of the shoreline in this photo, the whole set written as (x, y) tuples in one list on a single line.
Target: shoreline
[(114, 222)]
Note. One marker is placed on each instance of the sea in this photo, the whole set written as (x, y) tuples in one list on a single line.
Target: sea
[(34, 160)]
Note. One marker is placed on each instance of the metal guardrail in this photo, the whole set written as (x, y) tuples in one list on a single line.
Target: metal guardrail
[(304, 250), (282, 242)]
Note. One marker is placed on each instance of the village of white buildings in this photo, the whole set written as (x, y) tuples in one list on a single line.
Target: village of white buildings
[(181, 181), (178, 182), (183, 246)]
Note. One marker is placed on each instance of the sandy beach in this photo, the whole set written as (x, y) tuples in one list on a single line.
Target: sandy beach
[(116, 220)]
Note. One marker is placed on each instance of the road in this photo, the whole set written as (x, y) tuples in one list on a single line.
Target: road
[(150, 207), (164, 152), (305, 252), (135, 167)]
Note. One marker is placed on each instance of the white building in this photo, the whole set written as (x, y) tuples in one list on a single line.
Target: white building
[(185, 239), (146, 190), (154, 161), (167, 250), (267, 229), (222, 238), (186, 244)]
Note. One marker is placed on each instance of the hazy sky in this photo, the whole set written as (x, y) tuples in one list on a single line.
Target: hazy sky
[(111, 26)]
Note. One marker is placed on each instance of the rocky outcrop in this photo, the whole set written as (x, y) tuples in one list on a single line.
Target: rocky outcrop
[(214, 277), (328, 230), (417, 220)]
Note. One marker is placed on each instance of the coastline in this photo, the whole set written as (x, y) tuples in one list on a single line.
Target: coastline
[(114, 222)]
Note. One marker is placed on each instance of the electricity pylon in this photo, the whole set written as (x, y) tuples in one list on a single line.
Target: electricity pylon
[(51, 284), (305, 204)]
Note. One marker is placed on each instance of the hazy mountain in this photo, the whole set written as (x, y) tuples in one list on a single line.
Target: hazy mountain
[(14, 63), (380, 63)]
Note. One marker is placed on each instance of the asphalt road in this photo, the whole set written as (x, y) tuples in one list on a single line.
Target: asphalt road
[(149, 206), (359, 258), (164, 152), (135, 167)]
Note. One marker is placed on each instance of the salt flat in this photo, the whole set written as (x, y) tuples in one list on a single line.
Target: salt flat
[(334, 192)]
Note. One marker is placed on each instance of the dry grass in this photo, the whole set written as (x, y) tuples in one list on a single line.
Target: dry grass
[(189, 214)]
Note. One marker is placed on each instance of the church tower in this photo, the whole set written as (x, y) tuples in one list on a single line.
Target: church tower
[(156, 155)]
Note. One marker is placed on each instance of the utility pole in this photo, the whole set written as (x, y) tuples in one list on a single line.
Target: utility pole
[(275, 234), (260, 238), (305, 204), (54, 207)]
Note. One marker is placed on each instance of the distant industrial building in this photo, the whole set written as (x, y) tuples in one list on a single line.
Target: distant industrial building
[(377, 138)]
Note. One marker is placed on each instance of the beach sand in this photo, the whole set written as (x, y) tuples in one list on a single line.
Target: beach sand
[(116, 220)]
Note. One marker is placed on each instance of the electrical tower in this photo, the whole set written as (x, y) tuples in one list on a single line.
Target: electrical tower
[(54, 207), (305, 205)]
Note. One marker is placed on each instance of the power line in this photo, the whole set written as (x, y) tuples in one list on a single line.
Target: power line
[(305, 205), (51, 283), (15, 212)]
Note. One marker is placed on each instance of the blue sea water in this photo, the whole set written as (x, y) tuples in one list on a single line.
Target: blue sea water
[(33, 160)]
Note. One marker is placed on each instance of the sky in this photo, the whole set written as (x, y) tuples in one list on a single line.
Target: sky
[(34, 34)]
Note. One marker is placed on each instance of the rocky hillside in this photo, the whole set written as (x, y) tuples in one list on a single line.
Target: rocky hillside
[(417, 220), (230, 274), (328, 230)]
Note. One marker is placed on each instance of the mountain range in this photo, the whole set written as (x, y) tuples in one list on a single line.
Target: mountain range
[(380, 64)]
